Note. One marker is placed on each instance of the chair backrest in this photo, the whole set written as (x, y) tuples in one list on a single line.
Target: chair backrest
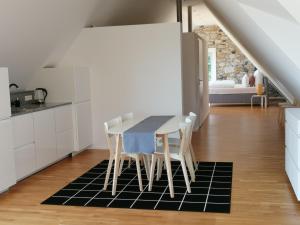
[(127, 116), (190, 129), (193, 117), (186, 130), (109, 137)]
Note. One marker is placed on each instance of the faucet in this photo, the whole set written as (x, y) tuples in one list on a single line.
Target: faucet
[(13, 85)]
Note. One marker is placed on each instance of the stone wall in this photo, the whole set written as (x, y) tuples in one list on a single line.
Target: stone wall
[(231, 63)]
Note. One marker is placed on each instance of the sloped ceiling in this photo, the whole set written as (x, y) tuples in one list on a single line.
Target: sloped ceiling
[(270, 31), (32, 30), (37, 33)]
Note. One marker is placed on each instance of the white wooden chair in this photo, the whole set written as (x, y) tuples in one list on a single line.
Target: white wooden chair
[(176, 141), (111, 147), (193, 117), (126, 117), (176, 152)]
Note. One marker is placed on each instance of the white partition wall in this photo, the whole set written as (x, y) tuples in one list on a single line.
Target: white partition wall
[(133, 68)]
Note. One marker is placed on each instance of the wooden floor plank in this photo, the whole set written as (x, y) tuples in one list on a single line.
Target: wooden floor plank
[(250, 138)]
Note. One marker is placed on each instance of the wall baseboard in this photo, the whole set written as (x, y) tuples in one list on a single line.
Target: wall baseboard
[(101, 148)]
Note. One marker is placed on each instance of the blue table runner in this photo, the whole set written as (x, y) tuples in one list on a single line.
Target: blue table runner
[(141, 137)]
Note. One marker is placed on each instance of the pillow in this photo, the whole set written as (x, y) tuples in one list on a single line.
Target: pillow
[(252, 81), (245, 81)]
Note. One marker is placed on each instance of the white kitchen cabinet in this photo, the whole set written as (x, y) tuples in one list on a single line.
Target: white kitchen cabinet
[(23, 133), (84, 125), (5, 111), (42, 138), (7, 163), (64, 130), (63, 118), (65, 143), (25, 161), (45, 138), (292, 148)]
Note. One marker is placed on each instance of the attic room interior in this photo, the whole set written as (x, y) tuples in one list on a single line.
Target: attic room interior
[(149, 112)]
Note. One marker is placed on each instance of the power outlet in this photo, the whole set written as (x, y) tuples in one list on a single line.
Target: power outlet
[(28, 98)]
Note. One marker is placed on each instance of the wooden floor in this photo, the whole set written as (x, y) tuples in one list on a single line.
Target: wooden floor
[(250, 138)]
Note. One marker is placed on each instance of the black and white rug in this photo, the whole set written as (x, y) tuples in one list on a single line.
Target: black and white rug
[(210, 193)]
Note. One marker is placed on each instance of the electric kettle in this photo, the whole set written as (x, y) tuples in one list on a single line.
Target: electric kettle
[(40, 95)]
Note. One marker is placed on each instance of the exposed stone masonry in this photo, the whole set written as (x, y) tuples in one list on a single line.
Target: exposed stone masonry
[(231, 63)]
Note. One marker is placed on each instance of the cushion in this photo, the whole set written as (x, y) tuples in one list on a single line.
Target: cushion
[(245, 81), (252, 81)]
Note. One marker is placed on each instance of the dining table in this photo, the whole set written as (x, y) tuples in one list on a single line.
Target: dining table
[(169, 127)]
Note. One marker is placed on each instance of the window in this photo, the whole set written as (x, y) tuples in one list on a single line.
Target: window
[(212, 69)]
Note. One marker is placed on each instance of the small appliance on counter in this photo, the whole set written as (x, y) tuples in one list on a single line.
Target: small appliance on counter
[(40, 95)]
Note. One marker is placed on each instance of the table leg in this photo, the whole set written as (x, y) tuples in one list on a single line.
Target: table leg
[(168, 164), (116, 169)]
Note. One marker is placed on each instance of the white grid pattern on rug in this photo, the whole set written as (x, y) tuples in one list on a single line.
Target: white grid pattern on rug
[(210, 193)]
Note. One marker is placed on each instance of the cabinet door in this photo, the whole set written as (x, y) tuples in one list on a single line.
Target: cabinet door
[(45, 140), (23, 133), (65, 143), (25, 161), (82, 84), (4, 94), (7, 163), (84, 125), (63, 118)]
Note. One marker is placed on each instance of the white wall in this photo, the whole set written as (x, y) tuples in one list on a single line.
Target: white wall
[(133, 68)]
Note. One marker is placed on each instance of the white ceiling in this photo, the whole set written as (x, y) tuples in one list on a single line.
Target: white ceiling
[(200, 14)]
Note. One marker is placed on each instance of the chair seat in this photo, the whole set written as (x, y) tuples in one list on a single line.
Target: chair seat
[(173, 150), (172, 141)]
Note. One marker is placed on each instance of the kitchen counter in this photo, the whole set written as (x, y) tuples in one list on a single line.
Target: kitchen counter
[(16, 111)]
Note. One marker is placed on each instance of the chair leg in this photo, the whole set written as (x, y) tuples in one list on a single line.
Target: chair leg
[(116, 166), (186, 177), (170, 176), (109, 166), (147, 167), (154, 158), (121, 165), (129, 162), (190, 166), (138, 168), (159, 168)]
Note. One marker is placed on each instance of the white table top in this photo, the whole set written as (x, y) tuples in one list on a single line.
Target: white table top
[(171, 126)]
